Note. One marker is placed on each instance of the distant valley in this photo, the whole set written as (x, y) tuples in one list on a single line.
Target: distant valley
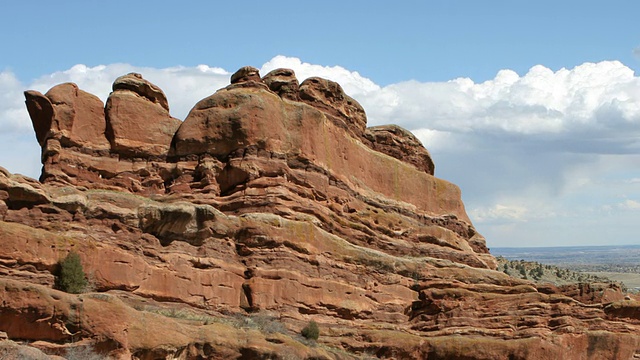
[(619, 263)]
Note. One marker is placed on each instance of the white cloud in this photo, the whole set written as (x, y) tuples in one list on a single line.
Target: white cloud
[(184, 86), (500, 212), (592, 99), (525, 149), (629, 204), (12, 104), (351, 81)]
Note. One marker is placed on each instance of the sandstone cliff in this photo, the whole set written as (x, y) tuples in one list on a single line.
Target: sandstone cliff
[(271, 205)]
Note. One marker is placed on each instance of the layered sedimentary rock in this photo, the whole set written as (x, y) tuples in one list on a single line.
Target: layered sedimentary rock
[(137, 118), (271, 205), (68, 116)]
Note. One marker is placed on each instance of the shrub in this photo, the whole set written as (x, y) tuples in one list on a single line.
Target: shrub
[(72, 278), (523, 271), (311, 331)]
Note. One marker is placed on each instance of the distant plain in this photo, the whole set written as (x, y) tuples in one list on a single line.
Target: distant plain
[(618, 263)]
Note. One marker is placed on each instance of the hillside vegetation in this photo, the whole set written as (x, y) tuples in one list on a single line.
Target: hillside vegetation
[(541, 273)]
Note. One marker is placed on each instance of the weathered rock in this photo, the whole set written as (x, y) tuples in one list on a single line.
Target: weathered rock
[(400, 144), (629, 309), (78, 117), (138, 120), (182, 221), (284, 83), (10, 350), (135, 83), (69, 199), (268, 212), (18, 191), (237, 118), (4, 195), (66, 118), (140, 130), (329, 97), (41, 113), (244, 74)]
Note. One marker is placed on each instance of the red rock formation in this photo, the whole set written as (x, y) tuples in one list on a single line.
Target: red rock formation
[(329, 97), (124, 145), (284, 83), (68, 115), (272, 205), (138, 120), (400, 144)]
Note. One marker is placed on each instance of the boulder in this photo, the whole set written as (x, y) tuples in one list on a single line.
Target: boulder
[(329, 97), (138, 119), (400, 144), (70, 115), (3, 209), (284, 83), (17, 191), (224, 121), (244, 74), (135, 83)]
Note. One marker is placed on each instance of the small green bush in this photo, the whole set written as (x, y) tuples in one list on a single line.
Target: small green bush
[(72, 278), (311, 331)]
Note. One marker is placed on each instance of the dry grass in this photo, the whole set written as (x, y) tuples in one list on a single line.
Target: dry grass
[(631, 280)]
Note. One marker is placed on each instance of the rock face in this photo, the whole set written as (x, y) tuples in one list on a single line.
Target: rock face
[(400, 144), (138, 120), (69, 116), (329, 97), (284, 83), (271, 205)]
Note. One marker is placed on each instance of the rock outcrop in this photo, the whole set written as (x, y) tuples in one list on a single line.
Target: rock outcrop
[(271, 205), (400, 144), (138, 120), (284, 83), (69, 117)]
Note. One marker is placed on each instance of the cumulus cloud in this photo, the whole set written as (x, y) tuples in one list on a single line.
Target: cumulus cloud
[(11, 103), (351, 81), (589, 99), (524, 148)]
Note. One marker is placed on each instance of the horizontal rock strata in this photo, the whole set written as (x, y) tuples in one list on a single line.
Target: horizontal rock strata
[(271, 205)]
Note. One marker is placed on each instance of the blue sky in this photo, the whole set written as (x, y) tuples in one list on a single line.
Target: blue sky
[(532, 108), (420, 40)]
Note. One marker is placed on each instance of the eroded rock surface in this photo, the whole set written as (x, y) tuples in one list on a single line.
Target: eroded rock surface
[(329, 97), (400, 144), (69, 116), (271, 205), (138, 120), (284, 83)]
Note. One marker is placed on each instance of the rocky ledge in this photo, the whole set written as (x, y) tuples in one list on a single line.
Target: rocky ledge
[(270, 206)]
